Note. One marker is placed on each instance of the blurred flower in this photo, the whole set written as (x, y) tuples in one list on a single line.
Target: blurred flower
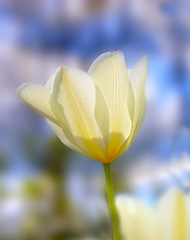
[(168, 220), (98, 113)]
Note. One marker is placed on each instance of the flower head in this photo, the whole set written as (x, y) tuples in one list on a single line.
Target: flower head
[(98, 113), (168, 220)]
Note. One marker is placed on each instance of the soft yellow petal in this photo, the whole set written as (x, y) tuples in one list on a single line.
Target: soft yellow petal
[(110, 75), (102, 115), (49, 82), (137, 78), (140, 121), (37, 97), (136, 100), (73, 99), (130, 99), (137, 221), (173, 215), (65, 137)]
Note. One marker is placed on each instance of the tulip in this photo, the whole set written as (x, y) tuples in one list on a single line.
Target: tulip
[(169, 219), (98, 113)]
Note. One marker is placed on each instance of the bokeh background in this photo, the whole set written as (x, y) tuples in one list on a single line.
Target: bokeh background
[(48, 192)]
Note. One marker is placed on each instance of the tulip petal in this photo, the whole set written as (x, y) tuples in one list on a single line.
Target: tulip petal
[(138, 222), (73, 99), (37, 97), (130, 99), (102, 115), (49, 82), (64, 138), (141, 118), (110, 75), (137, 78), (173, 215), (136, 100)]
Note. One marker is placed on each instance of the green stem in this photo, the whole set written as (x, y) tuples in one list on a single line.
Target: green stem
[(111, 199)]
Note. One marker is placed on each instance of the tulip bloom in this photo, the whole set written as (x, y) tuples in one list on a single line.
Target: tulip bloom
[(168, 220), (98, 113)]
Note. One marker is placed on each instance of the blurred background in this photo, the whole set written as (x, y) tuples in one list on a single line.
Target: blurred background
[(48, 192)]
